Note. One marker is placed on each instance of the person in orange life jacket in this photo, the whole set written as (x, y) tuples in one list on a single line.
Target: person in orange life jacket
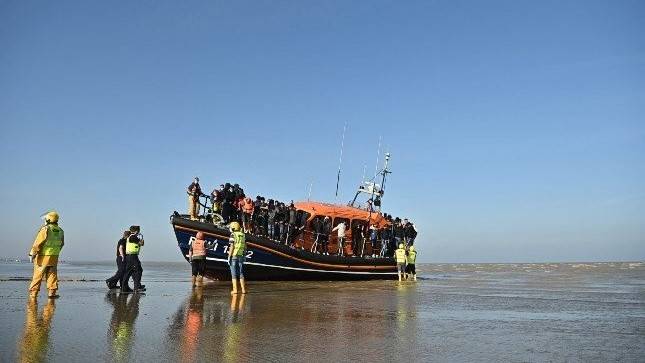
[(194, 192), (44, 255), (133, 244), (120, 262), (197, 257), (247, 212)]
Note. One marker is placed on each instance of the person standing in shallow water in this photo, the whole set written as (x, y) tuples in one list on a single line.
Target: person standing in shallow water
[(133, 268), (236, 250), (44, 255), (400, 260), (410, 269), (120, 262), (197, 256)]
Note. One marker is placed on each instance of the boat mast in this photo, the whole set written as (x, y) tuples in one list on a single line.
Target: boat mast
[(385, 172), (340, 161), (370, 187)]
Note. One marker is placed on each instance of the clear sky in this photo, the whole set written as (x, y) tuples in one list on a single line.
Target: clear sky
[(517, 128)]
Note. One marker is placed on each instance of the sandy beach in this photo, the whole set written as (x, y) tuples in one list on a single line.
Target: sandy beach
[(470, 312)]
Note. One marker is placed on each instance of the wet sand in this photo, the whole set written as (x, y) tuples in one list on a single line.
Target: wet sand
[(538, 312)]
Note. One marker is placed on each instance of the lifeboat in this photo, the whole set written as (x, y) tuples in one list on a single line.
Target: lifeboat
[(301, 258)]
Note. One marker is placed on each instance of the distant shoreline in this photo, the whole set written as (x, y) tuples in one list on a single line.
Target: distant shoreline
[(22, 260)]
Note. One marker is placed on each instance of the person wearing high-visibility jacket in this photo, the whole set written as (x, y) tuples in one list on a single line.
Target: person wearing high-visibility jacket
[(399, 254), (44, 254), (236, 256), (197, 257), (411, 270), (133, 267)]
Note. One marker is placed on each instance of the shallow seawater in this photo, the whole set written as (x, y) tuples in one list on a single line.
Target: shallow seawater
[(455, 312)]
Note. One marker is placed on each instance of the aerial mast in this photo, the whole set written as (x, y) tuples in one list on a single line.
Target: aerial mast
[(385, 172), (372, 188), (340, 161)]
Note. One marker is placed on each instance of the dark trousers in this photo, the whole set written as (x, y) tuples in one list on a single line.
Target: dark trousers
[(324, 242), (227, 211), (120, 265), (132, 269)]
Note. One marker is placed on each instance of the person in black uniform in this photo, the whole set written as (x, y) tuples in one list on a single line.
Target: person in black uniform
[(133, 268), (325, 232), (120, 262)]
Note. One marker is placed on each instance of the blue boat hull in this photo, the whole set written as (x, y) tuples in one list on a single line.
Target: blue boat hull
[(269, 260)]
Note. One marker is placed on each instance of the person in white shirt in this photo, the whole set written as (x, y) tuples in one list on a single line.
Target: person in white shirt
[(341, 227)]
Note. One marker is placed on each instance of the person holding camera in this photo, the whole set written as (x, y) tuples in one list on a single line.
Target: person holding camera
[(133, 268)]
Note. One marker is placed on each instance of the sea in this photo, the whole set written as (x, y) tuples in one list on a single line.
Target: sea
[(530, 312)]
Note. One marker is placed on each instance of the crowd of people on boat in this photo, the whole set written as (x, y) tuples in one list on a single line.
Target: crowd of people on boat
[(283, 223)]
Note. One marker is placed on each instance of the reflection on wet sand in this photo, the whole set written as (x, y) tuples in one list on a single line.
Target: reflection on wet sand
[(205, 326), (328, 321), (192, 326), (35, 338), (514, 315), (121, 332), (233, 339)]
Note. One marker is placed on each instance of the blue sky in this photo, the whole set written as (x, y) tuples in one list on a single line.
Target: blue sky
[(516, 128)]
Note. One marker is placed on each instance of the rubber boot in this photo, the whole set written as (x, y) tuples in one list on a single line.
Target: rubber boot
[(415, 277), (234, 291), (243, 286), (194, 280), (399, 277)]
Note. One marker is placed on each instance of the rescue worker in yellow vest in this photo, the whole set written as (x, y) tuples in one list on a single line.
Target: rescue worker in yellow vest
[(411, 270), (399, 254), (133, 267), (197, 257), (44, 254), (236, 253)]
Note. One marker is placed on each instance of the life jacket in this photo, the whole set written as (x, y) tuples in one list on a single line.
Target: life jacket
[(54, 242), (131, 248), (199, 247), (239, 244), (412, 257), (247, 206), (400, 255)]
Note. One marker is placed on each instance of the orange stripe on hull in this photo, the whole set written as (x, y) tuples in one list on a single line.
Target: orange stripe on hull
[(349, 267)]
